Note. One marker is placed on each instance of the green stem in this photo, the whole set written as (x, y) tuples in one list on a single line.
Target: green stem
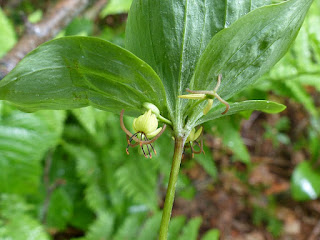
[(167, 209)]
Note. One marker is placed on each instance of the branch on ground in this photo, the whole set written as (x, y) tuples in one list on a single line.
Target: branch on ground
[(54, 20)]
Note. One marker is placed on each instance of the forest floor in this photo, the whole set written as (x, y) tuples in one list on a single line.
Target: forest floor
[(254, 203)]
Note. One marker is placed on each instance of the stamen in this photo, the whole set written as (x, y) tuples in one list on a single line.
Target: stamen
[(155, 152), (145, 138), (142, 148)]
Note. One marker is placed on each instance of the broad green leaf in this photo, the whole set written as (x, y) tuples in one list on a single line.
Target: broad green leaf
[(7, 36), (305, 182), (75, 72), (24, 140), (249, 48), (171, 35), (250, 105)]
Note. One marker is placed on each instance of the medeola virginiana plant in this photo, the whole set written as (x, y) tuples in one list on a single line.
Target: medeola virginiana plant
[(183, 60)]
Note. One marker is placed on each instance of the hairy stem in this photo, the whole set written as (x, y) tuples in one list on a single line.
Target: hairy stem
[(167, 209)]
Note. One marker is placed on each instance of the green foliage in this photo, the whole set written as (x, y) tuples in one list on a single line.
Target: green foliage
[(277, 133), (190, 231), (300, 66), (24, 141), (82, 76), (305, 182), (60, 210), (266, 216), (229, 132), (211, 235), (137, 180), (116, 7), (207, 162), (7, 36), (15, 221)]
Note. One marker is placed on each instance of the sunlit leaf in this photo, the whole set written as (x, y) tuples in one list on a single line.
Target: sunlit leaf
[(305, 182), (7, 36)]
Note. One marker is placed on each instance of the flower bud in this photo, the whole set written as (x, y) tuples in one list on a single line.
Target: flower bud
[(208, 106), (152, 107)]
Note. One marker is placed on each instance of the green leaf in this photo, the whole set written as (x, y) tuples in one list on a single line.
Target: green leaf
[(211, 235), (116, 7), (16, 223), (102, 228), (151, 228), (130, 227), (190, 231), (137, 178), (305, 182), (248, 48), (86, 117), (250, 105), (207, 162), (24, 140), (171, 35), (7, 36), (73, 72), (230, 134), (60, 210), (176, 224)]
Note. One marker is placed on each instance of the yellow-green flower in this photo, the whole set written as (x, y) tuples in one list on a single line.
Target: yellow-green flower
[(194, 135), (207, 95), (147, 124)]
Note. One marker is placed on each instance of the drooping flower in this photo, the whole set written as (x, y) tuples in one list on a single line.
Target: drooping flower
[(145, 127)]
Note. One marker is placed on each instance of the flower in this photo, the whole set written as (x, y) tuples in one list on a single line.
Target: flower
[(147, 124)]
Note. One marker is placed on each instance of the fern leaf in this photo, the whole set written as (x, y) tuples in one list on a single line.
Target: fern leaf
[(102, 228), (190, 231), (151, 227), (138, 180), (176, 225)]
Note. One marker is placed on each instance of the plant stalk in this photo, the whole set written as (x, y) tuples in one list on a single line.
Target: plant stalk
[(168, 204)]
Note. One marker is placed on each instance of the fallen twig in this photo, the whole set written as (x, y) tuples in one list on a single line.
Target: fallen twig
[(53, 21)]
